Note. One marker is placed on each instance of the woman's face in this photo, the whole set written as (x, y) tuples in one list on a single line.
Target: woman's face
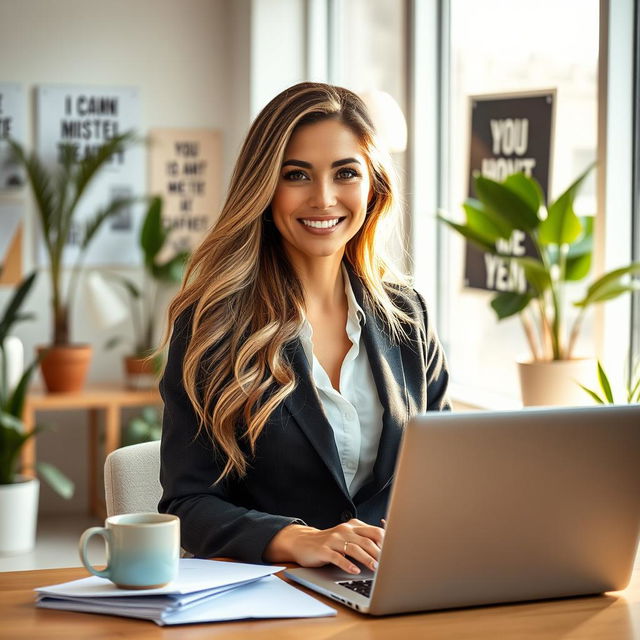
[(320, 202)]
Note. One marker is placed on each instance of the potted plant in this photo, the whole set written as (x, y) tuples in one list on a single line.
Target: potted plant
[(19, 493), (57, 194), (563, 244), (144, 301)]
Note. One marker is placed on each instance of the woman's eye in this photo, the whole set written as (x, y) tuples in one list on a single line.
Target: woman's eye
[(346, 174), (295, 176)]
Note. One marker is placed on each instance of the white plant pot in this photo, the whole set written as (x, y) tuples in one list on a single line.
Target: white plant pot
[(18, 515), (555, 382)]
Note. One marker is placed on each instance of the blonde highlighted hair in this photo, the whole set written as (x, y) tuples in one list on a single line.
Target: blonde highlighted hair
[(243, 297)]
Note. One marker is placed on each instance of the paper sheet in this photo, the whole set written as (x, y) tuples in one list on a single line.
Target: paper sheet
[(268, 597)]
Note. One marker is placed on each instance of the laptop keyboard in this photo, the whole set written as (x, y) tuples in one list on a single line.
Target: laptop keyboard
[(363, 587)]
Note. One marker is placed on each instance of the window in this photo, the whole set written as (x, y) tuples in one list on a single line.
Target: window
[(506, 46)]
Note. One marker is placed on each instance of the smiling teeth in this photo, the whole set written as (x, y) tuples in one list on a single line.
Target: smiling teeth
[(321, 224)]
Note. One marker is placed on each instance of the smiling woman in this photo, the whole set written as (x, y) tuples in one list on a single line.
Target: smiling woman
[(296, 357)]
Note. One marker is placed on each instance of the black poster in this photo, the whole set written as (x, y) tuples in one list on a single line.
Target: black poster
[(509, 133)]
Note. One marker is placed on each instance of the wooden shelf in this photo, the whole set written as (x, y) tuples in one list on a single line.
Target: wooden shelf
[(109, 399)]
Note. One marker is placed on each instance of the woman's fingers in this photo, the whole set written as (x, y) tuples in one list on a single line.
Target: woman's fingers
[(342, 562), (376, 534), (355, 551), (368, 545)]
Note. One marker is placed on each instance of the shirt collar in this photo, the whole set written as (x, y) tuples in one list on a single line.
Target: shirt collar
[(356, 318)]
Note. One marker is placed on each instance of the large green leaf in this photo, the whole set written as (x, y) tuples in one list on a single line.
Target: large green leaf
[(11, 313), (584, 244), (508, 204), (562, 225), (611, 285), (485, 222), (535, 272), (577, 267), (528, 188), (57, 480), (479, 240), (153, 234), (509, 303), (609, 292)]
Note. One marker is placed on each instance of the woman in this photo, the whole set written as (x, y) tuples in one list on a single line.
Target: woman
[(293, 364)]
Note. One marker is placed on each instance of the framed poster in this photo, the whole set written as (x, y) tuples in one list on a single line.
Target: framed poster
[(185, 169), (86, 117), (509, 133), (13, 117)]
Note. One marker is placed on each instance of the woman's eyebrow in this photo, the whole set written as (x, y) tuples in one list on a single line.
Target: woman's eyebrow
[(308, 165)]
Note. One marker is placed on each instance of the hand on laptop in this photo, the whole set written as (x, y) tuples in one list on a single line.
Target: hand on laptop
[(340, 545)]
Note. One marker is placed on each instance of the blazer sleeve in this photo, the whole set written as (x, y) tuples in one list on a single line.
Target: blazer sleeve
[(436, 365), (211, 524)]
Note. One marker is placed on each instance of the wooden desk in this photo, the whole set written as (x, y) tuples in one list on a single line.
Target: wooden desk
[(615, 616), (108, 399)]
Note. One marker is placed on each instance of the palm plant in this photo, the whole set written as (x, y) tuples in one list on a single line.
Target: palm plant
[(563, 245), (12, 432), (57, 195)]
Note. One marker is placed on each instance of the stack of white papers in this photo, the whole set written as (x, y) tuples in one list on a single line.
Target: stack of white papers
[(204, 591)]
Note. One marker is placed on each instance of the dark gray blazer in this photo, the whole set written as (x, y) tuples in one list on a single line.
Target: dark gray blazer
[(296, 472)]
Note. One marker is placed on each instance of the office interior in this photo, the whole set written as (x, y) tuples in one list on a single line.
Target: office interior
[(213, 64)]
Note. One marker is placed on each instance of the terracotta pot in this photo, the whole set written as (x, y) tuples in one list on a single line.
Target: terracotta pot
[(555, 382), (65, 368), (18, 515), (139, 373)]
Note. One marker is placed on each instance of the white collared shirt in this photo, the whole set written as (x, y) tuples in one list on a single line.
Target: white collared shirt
[(355, 412)]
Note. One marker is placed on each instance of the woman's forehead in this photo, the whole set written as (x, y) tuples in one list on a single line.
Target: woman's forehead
[(324, 141)]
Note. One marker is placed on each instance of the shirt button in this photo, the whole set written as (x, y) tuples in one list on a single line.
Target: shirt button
[(346, 515)]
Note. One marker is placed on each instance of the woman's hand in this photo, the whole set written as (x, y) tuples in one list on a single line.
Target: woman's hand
[(340, 545)]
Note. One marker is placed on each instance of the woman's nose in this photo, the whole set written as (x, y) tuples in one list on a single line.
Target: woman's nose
[(323, 195)]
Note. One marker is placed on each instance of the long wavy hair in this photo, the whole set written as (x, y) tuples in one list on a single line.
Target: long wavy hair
[(243, 297)]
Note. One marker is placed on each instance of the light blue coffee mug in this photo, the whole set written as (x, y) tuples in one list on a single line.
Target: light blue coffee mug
[(143, 549)]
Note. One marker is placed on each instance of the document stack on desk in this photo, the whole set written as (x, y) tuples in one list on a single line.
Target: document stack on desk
[(204, 591)]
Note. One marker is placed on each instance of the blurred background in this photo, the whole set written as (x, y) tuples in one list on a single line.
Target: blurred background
[(190, 76)]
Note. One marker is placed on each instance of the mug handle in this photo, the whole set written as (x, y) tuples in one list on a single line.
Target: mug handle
[(82, 548)]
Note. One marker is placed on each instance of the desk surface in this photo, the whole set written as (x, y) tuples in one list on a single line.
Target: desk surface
[(612, 616)]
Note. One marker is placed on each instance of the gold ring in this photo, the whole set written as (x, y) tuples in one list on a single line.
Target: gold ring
[(344, 549)]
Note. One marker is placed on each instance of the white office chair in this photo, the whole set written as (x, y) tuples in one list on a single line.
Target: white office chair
[(131, 479)]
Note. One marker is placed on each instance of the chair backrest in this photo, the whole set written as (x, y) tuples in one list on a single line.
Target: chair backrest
[(131, 479)]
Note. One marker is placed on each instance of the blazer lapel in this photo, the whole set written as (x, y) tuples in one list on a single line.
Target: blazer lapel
[(305, 406), (385, 359)]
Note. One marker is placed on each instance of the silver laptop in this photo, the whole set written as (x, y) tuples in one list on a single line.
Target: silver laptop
[(503, 507)]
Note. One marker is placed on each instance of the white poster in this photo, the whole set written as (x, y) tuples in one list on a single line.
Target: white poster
[(86, 117), (13, 117)]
